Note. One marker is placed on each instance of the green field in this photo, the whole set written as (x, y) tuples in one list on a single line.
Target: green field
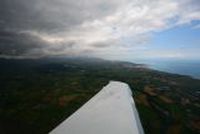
[(37, 95)]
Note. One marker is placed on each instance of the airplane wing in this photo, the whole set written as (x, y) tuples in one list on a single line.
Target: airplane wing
[(111, 111)]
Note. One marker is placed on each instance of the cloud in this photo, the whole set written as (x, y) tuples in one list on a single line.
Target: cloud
[(189, 54), (98, 28), (196, 26), (18, 44)]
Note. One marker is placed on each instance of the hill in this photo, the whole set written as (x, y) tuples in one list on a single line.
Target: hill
[(36, 95)]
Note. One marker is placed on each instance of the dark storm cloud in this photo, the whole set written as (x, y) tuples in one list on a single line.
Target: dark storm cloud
[(68, 27), (49, 15), (16, 44), (42, 16), (23, 15)]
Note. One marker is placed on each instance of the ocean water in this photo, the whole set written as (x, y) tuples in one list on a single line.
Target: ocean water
[(183, 67)]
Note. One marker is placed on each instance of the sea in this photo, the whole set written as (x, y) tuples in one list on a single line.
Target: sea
[(183, 67)]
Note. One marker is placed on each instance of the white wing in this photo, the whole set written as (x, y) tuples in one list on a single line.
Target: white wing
[(111, 111)]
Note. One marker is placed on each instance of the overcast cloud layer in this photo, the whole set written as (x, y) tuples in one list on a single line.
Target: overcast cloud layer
[(101, 28)]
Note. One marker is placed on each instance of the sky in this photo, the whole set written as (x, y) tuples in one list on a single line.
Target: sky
[(109, 29)]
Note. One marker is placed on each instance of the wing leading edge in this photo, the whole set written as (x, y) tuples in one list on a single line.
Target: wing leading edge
[(111, 111)]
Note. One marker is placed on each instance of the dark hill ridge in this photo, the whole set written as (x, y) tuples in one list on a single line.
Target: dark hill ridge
[(37, 94)]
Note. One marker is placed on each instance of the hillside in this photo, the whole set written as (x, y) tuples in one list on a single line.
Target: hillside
[(36, 95)]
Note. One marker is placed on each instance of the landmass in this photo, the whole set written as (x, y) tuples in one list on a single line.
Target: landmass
[(38, 94)]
